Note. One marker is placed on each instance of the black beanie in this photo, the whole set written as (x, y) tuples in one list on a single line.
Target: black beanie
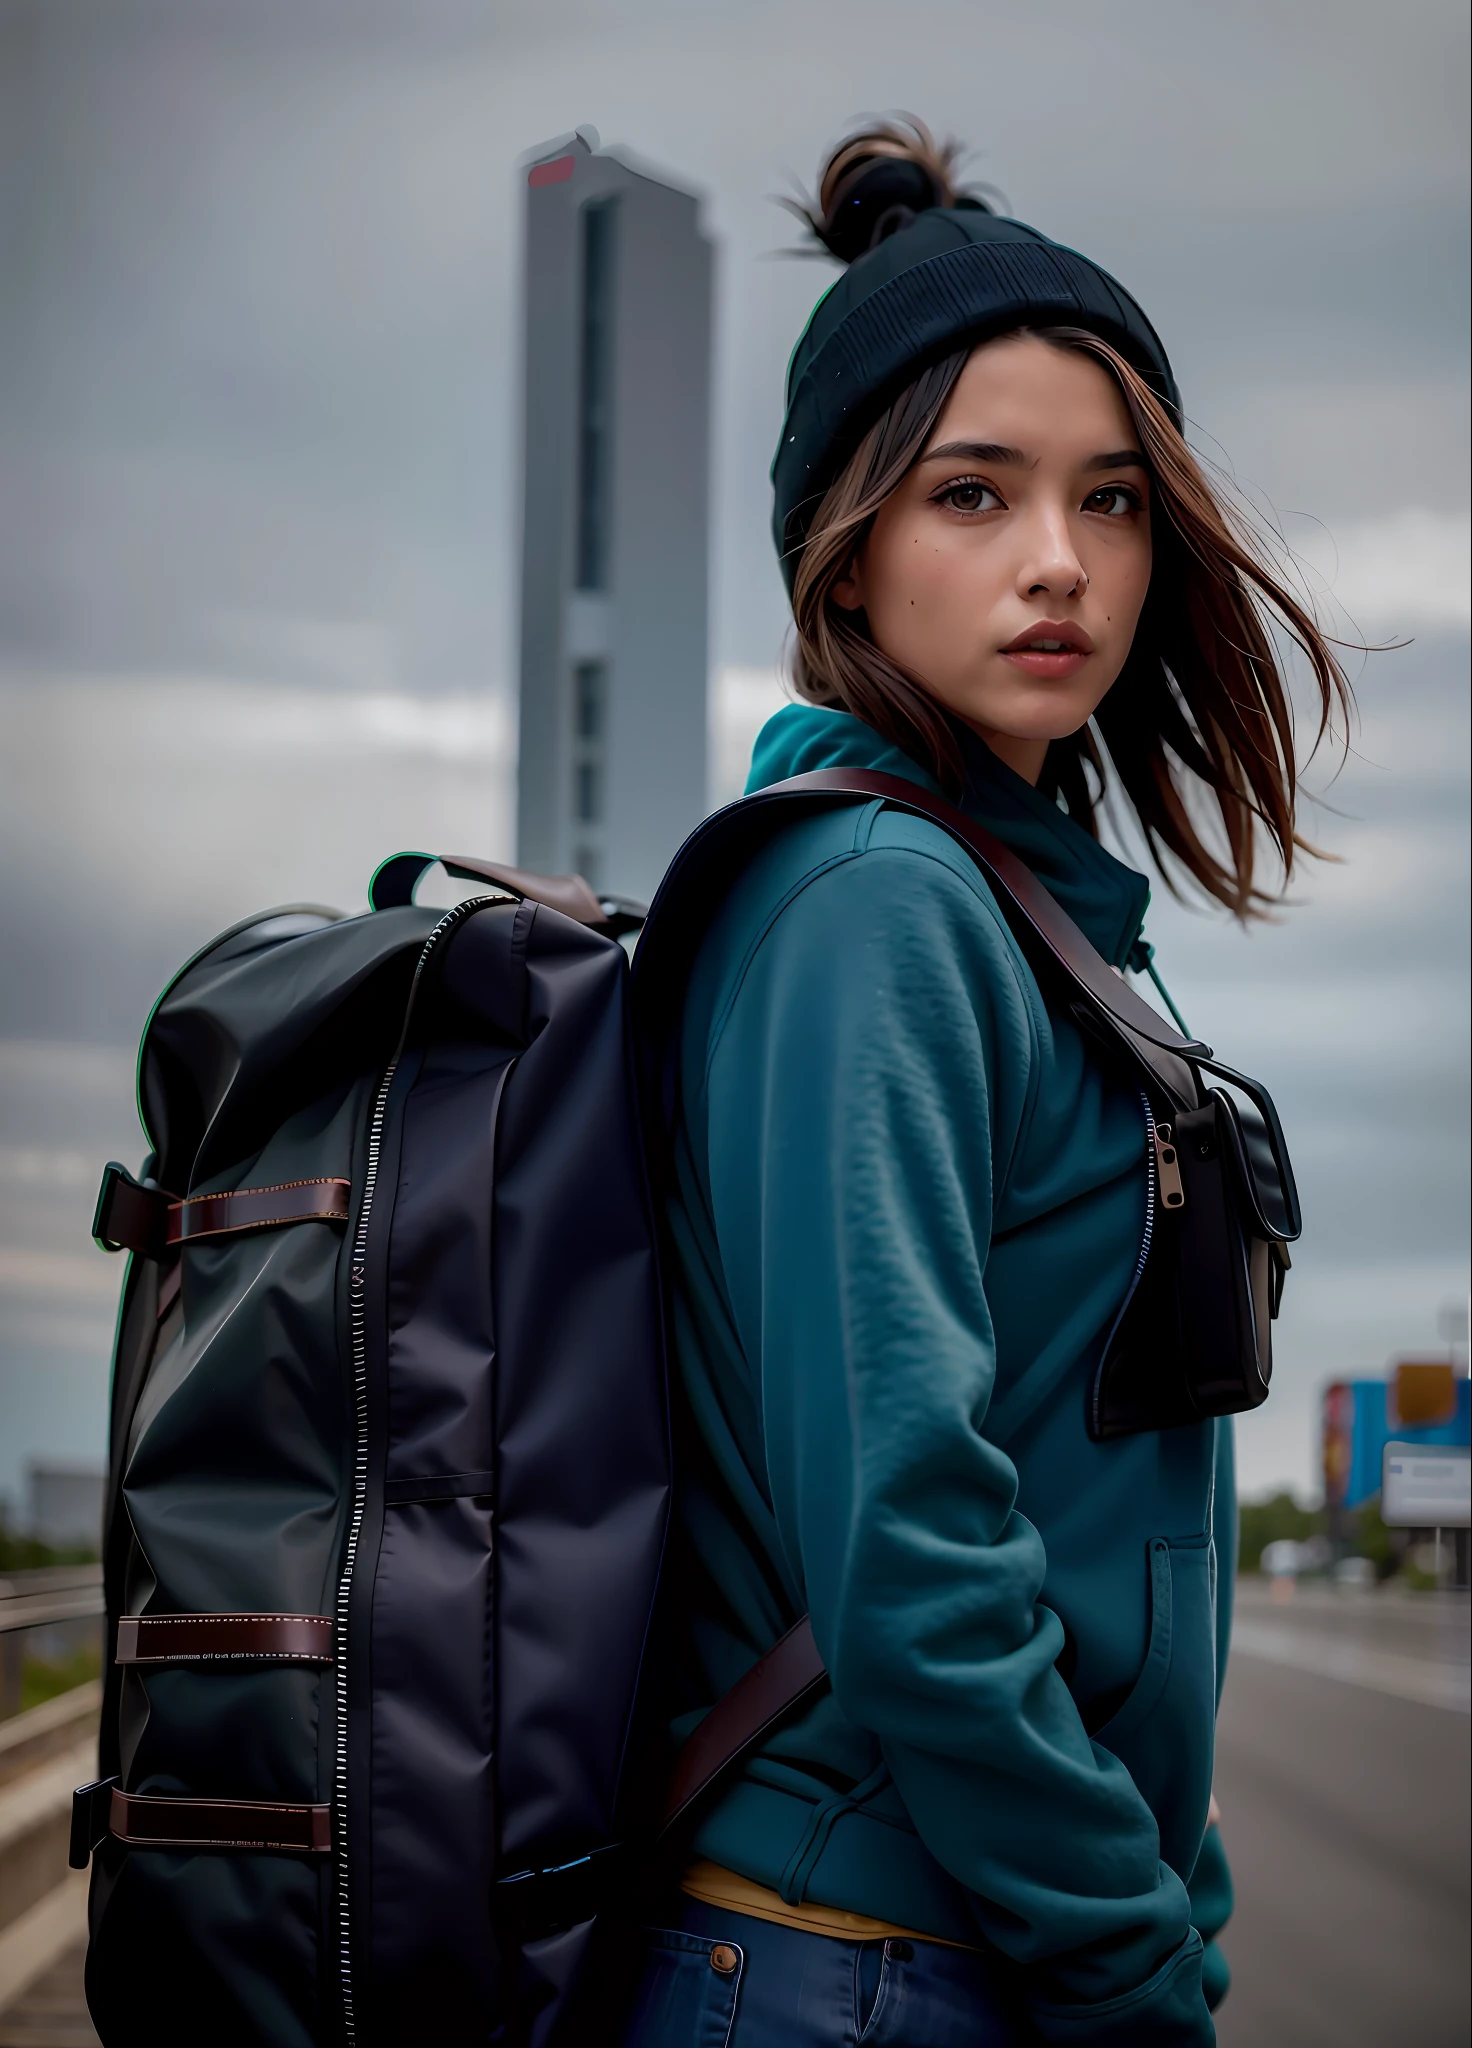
[(949, 277)]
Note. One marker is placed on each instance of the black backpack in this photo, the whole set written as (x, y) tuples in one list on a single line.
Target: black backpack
[(390, 1465), (390, 1472)]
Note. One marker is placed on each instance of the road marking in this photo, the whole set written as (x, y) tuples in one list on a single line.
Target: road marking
[(1403, 1678)]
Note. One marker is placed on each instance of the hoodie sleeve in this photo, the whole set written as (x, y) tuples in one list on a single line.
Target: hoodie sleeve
[(864, 1088)]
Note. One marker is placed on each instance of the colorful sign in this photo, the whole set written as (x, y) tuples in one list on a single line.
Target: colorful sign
[(1357, 1427)]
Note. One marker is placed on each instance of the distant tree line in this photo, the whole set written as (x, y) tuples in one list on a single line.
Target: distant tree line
[(1265, 1521), (27, 1554)]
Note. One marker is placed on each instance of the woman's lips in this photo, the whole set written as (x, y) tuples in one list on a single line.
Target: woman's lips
[(1048, 668), (1051, 650)]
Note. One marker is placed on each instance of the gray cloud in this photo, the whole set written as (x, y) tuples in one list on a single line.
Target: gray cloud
[(259, 468)]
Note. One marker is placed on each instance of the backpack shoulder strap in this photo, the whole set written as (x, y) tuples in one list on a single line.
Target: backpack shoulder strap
[(716, 851), (1040, 924), (792, 1670), (776, 1685)]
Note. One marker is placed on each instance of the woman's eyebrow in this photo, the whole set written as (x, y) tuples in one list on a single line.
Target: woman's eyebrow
[(980, 451), (1121, 458), (1013, 458)]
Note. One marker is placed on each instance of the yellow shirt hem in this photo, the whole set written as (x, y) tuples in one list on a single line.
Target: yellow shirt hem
[(713, 1884)]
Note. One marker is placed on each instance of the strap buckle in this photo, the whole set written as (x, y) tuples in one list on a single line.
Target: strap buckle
[(91, 1813), (131, 1215)]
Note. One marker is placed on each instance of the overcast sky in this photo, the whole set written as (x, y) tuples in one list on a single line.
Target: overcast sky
[(259, 465)]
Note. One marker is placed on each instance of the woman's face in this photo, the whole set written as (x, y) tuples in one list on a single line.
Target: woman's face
[(1007, 571)]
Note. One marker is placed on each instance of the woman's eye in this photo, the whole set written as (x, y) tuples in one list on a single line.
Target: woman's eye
[(1112, 499), (969, 496)]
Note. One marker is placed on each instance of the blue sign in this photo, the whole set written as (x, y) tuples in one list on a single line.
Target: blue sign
[(1357, 1429)]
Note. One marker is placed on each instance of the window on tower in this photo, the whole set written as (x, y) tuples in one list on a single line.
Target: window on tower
[(588, 687), (589, 726), (595, 394)]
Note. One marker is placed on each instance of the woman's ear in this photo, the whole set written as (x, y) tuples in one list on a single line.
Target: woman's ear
[(847, 590)]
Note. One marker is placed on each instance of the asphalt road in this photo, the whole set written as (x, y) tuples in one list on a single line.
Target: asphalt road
[(1342, 1772), (1344, 1794)]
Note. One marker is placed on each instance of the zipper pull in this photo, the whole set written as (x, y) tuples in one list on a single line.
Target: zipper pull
[(1167, 1166)]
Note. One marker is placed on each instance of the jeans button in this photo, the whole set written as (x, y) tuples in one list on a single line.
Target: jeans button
[(723, 1958), (897, 1951)]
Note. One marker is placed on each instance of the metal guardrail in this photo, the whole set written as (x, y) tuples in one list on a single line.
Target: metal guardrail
[(41, 1599), (62, 1592)]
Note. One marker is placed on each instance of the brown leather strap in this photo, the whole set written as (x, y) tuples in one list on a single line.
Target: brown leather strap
[(289, 1201), (568, 893), (792, 1668), (1038, 919), (224, 1638), (147, 1823), (775, 1685), (150, 1221), (396, 879)]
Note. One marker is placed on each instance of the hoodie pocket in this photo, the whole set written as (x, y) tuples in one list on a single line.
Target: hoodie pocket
[(1164, 1733)]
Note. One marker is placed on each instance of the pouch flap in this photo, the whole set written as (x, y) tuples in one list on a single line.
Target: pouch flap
[(1264, 1178)]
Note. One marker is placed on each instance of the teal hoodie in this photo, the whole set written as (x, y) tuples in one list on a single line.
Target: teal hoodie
[(907, 1207)]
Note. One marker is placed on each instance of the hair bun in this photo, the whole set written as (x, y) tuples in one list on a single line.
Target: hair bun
[(876, 182)]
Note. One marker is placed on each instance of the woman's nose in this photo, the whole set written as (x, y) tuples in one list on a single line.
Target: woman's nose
[(1049, 566)]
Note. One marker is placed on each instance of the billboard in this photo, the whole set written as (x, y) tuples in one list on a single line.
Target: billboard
[(1357, 1425)]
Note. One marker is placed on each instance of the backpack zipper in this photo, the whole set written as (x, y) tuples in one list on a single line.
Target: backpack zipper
[(357, 1333), (358, 1345)]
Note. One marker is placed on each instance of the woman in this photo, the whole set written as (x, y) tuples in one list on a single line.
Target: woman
[(908, 1195)]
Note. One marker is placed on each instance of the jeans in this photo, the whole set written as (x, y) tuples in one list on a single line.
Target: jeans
[(714, 1978)]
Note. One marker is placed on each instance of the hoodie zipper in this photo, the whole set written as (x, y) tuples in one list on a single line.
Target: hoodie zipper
[(1152, 1169), (1152, 1177), (358, 1344)]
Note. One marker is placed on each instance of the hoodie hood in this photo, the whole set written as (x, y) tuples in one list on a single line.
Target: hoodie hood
[(1105, 899)]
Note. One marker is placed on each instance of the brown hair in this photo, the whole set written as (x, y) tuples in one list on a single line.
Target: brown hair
[(1200, 704), (852, 211)]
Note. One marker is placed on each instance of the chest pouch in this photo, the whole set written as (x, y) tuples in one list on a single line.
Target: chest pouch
[(1194, 1337)]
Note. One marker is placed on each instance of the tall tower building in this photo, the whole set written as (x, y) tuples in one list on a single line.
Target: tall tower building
[(612, 769)]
